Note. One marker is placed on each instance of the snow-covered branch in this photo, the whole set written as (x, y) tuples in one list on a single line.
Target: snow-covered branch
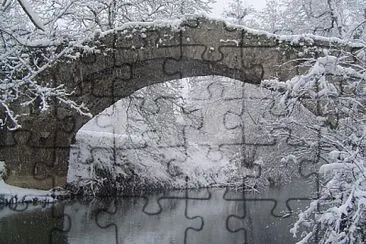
[(31, 14), (334, 89), (34, 35)]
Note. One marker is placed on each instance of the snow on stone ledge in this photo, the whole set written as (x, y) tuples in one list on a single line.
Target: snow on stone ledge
[(11, 194), (179, 24)]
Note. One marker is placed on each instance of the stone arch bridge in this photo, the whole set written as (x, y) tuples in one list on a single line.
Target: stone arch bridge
[(137, 55)]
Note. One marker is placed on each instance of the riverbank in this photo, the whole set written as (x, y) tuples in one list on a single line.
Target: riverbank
[(12, 194)]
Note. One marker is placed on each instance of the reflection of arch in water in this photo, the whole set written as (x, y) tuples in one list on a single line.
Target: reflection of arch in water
[(136, 56)]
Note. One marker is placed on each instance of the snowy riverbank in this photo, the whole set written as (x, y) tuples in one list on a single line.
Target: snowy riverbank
[(12, 194)]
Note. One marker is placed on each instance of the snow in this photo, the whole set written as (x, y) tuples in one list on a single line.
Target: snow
[(330, 168), (291, 39), (32, 15), (40, 42), (339, 213), (174, 24), (178, 24), (118, 140), (12, 194), (231, 40)]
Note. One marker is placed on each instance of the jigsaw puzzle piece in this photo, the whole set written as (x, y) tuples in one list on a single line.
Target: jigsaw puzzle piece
[(58, 233), (165, 127), (194, 54), (146, 43), (36, 225), (214, 111), (196, 32), (275, 211), (202, 163), (254, 131), (28, 144), (240, 221), (254, 222), (208, 87), (51, 173), (278, 198), (213, 213), (119, 75), (150, 222)]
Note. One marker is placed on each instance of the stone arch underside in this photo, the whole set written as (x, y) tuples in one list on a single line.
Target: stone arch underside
[(120, 62)]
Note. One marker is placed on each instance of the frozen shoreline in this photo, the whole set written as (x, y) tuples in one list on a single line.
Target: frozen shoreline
[(13, 194)]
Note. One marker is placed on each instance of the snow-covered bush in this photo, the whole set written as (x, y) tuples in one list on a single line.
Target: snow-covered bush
[(339, 215), (334, 89)]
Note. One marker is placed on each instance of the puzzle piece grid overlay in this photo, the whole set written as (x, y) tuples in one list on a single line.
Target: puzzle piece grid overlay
[(124, 73)]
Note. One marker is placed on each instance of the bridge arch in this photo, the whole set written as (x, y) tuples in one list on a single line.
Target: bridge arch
[(124, 60)]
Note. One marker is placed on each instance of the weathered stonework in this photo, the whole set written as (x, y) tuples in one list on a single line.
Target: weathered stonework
[(131, 58)]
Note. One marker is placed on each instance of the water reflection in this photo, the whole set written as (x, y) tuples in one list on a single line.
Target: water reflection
[(204, 216), (32, 224)]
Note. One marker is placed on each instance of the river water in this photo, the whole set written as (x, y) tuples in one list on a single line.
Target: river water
[(215, 215)]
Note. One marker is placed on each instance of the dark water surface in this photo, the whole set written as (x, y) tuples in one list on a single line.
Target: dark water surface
[(204, 216)]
